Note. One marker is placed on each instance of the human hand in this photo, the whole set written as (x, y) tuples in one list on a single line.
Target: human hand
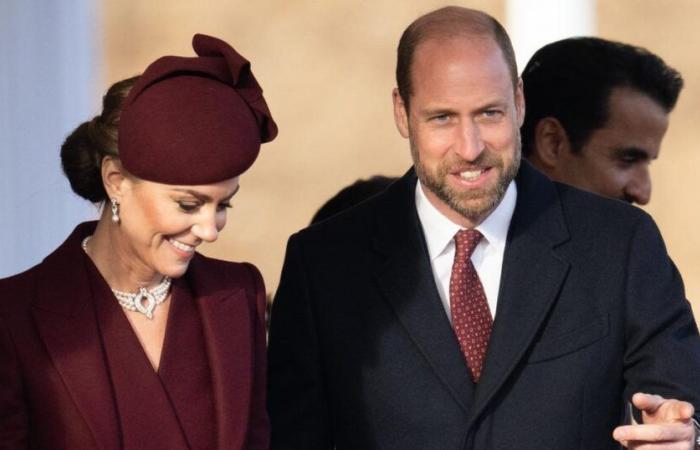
[(667, 424)]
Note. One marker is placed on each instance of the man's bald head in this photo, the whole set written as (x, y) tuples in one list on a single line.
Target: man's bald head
[(447, 23)]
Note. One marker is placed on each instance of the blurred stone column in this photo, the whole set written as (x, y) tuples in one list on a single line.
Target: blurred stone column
[(47, 87), (534, 23)]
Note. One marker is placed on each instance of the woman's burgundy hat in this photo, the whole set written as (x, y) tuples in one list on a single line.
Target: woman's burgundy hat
[(194, 120)]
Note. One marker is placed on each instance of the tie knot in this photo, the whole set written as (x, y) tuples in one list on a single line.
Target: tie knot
[(466, 241)]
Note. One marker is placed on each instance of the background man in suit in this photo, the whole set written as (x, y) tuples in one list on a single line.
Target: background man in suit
[(597, 111), (383, 332)]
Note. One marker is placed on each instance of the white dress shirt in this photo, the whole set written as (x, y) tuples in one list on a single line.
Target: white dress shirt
[(439, 232)]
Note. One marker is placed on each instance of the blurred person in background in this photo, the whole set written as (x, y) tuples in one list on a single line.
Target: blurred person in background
[(126, 337), (352, 195), (597, 111)]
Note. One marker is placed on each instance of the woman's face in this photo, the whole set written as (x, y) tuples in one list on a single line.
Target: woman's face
[(162, 224)]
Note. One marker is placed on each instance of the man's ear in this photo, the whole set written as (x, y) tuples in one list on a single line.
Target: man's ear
[(400, 113), (551, 142), (114, 178)]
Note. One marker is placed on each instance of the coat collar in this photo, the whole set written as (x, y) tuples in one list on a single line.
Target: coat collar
[(64, 315), (227, 317), (66, 323), (64, 287), (532, 275), (404, 274)]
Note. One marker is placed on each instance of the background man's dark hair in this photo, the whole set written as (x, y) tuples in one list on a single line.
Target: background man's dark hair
[(571, 80), (448, 22)]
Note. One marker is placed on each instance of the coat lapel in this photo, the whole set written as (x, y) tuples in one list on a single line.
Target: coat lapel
[(226, 321), (66, 322), (405, 276), (531, 278)]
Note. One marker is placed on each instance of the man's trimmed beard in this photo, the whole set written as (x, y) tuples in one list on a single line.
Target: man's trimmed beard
[(474, 205)]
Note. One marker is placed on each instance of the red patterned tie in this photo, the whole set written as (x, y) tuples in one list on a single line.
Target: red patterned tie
[(471, 317)]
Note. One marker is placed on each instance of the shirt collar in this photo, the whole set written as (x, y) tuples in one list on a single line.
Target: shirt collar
[(439, 230)]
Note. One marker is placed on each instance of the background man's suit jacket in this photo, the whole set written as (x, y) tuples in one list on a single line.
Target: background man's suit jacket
[(590, 310)]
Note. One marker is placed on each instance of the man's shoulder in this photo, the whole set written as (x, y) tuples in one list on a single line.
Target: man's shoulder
[(603, 227), (587, 209), (557, 212), (538, 193)]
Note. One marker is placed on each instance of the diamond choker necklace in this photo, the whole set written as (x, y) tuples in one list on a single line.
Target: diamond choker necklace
[(143, 301)]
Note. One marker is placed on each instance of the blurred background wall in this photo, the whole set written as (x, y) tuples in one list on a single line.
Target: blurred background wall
[(49, 65), (327, 68)]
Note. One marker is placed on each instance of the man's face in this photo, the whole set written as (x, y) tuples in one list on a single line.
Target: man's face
[(614, 162), (463, 125)]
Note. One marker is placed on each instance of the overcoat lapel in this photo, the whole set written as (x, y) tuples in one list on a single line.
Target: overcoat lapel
[(530, 282), (226, 321), (405, 276), (65, 318)]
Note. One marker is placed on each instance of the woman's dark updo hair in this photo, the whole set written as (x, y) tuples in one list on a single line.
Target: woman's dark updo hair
[(83, 150)]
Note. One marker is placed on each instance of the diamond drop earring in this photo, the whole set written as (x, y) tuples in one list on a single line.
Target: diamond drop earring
[(115, 210)]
